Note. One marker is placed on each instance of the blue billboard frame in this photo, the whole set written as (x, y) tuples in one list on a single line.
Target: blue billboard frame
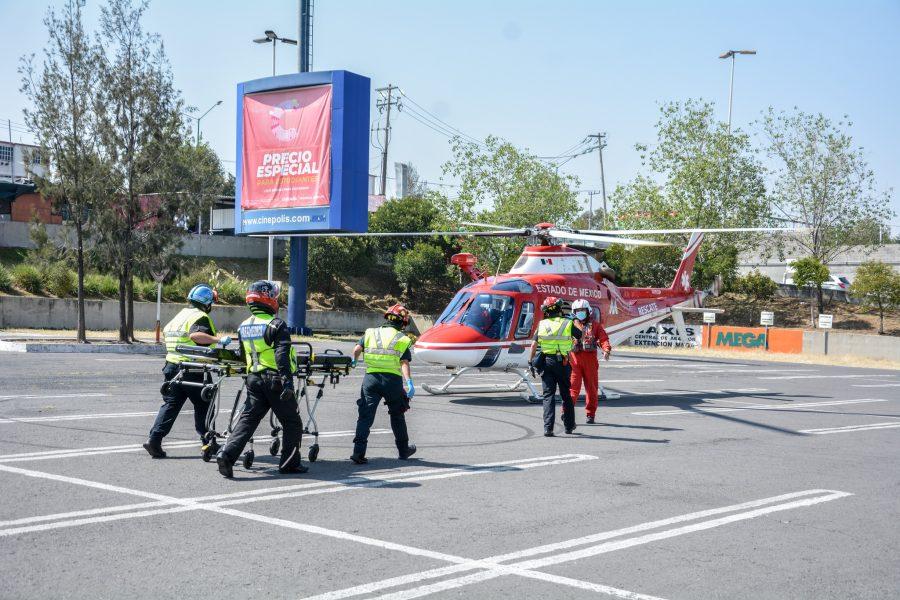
[(348, 206)]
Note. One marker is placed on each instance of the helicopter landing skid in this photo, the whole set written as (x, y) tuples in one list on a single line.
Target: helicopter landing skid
[(523, 386)]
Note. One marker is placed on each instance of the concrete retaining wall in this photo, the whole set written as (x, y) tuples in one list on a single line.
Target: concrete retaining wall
[(53, 313), (852, 344), (15, 235)]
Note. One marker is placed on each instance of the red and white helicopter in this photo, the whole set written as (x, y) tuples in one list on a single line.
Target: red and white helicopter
[(490, 323)]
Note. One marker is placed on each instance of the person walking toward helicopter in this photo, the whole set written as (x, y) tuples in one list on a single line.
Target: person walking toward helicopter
[(584, 357), (555, 338)]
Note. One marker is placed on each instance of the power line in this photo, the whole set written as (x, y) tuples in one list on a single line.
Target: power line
[(434, 117)]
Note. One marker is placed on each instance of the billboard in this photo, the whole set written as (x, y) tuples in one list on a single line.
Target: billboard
[(302, 161)]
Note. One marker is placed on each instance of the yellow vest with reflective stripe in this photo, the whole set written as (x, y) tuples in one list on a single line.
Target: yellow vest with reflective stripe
[(177, 332), (260, 356), (555, 336), (383, 348)]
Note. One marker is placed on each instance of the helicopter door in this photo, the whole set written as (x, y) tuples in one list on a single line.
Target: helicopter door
[(525, 321)]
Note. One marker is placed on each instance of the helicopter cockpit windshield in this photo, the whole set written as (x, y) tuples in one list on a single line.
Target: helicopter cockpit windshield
[(490, 315)]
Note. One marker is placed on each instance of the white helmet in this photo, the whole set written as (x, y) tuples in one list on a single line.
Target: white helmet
[(581, 304)]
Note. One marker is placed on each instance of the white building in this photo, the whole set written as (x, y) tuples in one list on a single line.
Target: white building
[(19, 161)]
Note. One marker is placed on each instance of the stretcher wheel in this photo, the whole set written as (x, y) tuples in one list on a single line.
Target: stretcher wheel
[(247, 460), (313, 452), (274, 447), (164, 388), (208, 393)]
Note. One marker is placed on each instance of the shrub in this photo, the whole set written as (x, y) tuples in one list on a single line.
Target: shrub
[(231, 291), (97, 285), (28, 278), (145, 289), (422, 264), (5, 279), (61, 282)]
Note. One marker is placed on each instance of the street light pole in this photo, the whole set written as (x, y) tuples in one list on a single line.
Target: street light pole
[(732, 54), (200, 118)]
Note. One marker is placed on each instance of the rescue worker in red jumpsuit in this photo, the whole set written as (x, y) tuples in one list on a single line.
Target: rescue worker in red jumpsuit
[(584, 356)]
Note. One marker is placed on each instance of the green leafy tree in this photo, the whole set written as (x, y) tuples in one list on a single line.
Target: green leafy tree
[(412, 213), (507, 186), (877, 286), (643, 266), (810, 272), (62, 92), (420, 267), (756, 288), (141, 131), (824, 183), (697, 175)]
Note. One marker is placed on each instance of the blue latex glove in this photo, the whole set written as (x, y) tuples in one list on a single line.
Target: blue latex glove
[(353, 363), (225, 341), (410, 389)]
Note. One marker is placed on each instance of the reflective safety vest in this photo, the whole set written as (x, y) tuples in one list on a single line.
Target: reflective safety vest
[(383, 348), (555, 336), (177, 332), (260, 355)]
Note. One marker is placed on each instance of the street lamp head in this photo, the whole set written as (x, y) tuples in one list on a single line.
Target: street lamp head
[(728, 54), (288, 41), (218, 103), (264, 40), (270, 34), (746, 51)]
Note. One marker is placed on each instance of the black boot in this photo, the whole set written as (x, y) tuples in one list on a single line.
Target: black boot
[(299, 469), (154, 449), (359, 459), (225, 464), (409, 451)]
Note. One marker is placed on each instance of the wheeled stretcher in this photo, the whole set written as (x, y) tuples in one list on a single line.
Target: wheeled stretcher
[(217, 364)]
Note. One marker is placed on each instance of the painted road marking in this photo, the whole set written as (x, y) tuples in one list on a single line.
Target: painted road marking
[(852, 428), (699, 410), (51, 396), (876, 385), (89, 416), (750, 510), (164, 504), (823, 376), (78, 452), (694, 392)]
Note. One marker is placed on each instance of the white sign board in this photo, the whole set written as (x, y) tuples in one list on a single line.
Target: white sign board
[(825, 321), (666, 335), (709, 317), (767, 318)]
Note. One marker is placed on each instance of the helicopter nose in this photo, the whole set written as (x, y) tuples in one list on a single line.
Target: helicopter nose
[(450, 345)]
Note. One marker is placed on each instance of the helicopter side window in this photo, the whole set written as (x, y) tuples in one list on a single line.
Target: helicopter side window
[(453, 308), (490, 315), (525, 322)]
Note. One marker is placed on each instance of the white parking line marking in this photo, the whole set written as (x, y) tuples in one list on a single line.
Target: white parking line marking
[(78, 452), (699, 410), (875, 385), (752, 509), (89, 416), (51, 396), (72, 519), (694, 392), (852, 428), (823, 376)]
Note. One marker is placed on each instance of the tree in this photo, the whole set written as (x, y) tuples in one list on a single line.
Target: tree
[(823, 183), (421, 266), (506, 186), (62, 93), (643, 266), (140, 131), (412, 213), (757, 288), (699, 175), (877, 285), (810, 272)]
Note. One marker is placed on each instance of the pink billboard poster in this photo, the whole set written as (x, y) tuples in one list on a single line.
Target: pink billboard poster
[(286, 154)]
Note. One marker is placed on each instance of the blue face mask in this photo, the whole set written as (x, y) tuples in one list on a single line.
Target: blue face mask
[(581, 315)]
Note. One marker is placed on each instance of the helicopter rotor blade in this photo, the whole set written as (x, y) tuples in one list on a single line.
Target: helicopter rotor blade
[(503, 233), (685, 230), (489, 225), (601, 239)]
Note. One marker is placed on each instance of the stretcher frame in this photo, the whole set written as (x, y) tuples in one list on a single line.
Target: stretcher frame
[(330, 365)]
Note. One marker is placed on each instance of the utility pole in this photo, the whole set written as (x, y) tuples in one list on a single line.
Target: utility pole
[(601, 144), (385, 102)]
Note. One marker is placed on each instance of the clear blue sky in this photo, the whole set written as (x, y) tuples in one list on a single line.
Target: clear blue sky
[(541, 74)]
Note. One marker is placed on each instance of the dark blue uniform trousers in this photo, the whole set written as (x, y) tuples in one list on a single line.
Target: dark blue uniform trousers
[(556, 375), (375, 387), (174, 399)]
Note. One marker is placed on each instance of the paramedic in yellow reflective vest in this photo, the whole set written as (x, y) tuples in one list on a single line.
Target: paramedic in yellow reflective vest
[(190, 327), (271, 363), (387, 356), (555, 339)]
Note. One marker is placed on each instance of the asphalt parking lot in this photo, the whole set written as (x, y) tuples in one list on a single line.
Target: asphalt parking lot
[(706, 479)]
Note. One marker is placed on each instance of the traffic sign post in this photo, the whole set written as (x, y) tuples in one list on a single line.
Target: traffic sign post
[(709, 318), (825, 322), (767, 319)]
